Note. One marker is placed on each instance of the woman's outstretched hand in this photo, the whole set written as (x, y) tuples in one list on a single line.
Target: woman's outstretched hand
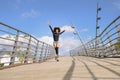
[(48, 23)]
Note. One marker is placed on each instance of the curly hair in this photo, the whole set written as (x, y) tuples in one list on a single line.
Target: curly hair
[(56, 29)]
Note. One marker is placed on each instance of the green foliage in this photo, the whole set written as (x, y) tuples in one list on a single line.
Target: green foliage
[(26, 36), (8, 37), (10, 53), (1, 64), (21, 59), (117, 46)]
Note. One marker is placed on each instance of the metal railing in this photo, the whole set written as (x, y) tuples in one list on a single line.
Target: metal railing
[(19, 47), (105, 45)]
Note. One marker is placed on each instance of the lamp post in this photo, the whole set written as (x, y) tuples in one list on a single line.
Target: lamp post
[(97, 19), (97, 26), (76, 33)]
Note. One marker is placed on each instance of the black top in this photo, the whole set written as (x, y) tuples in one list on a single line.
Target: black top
[(56, 35)]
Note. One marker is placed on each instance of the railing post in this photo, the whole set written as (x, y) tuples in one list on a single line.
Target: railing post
[(40, 58), (103, 47), (46, 49), (117, 26), (90, 49), (12, 60), (52, 52), (36, 51), (48, 52), (108, 37), (28, 50), (47, 56)]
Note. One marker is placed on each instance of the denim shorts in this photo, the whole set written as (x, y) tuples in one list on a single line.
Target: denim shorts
[(55, 42)]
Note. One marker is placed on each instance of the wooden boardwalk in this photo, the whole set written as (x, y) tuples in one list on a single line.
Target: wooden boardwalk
[(69, 68)]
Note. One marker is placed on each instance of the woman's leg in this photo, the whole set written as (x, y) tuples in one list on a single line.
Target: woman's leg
[(57, 49), (57, 52), (56, 46)]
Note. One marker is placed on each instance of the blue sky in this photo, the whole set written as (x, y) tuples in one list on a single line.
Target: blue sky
[(32, 16)]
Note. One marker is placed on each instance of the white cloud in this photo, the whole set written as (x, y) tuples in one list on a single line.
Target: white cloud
[(70, 29), (32, 13), (67, 28), (66, 44), (84, 30), (46, 39), (6, 41), (89, 38)]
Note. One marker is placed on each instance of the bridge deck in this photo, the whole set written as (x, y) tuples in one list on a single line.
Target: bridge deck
[(69, 68)]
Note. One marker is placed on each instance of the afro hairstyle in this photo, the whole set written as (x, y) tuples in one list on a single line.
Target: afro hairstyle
[(56, 29)]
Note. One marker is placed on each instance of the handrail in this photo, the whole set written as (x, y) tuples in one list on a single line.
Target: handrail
[(21, 47), (105, 44), (109, 25)]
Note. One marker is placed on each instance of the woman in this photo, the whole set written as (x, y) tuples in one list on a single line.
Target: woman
[(56, 33)]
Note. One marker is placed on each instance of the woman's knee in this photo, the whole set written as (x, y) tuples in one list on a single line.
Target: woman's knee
[(56, 46)]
